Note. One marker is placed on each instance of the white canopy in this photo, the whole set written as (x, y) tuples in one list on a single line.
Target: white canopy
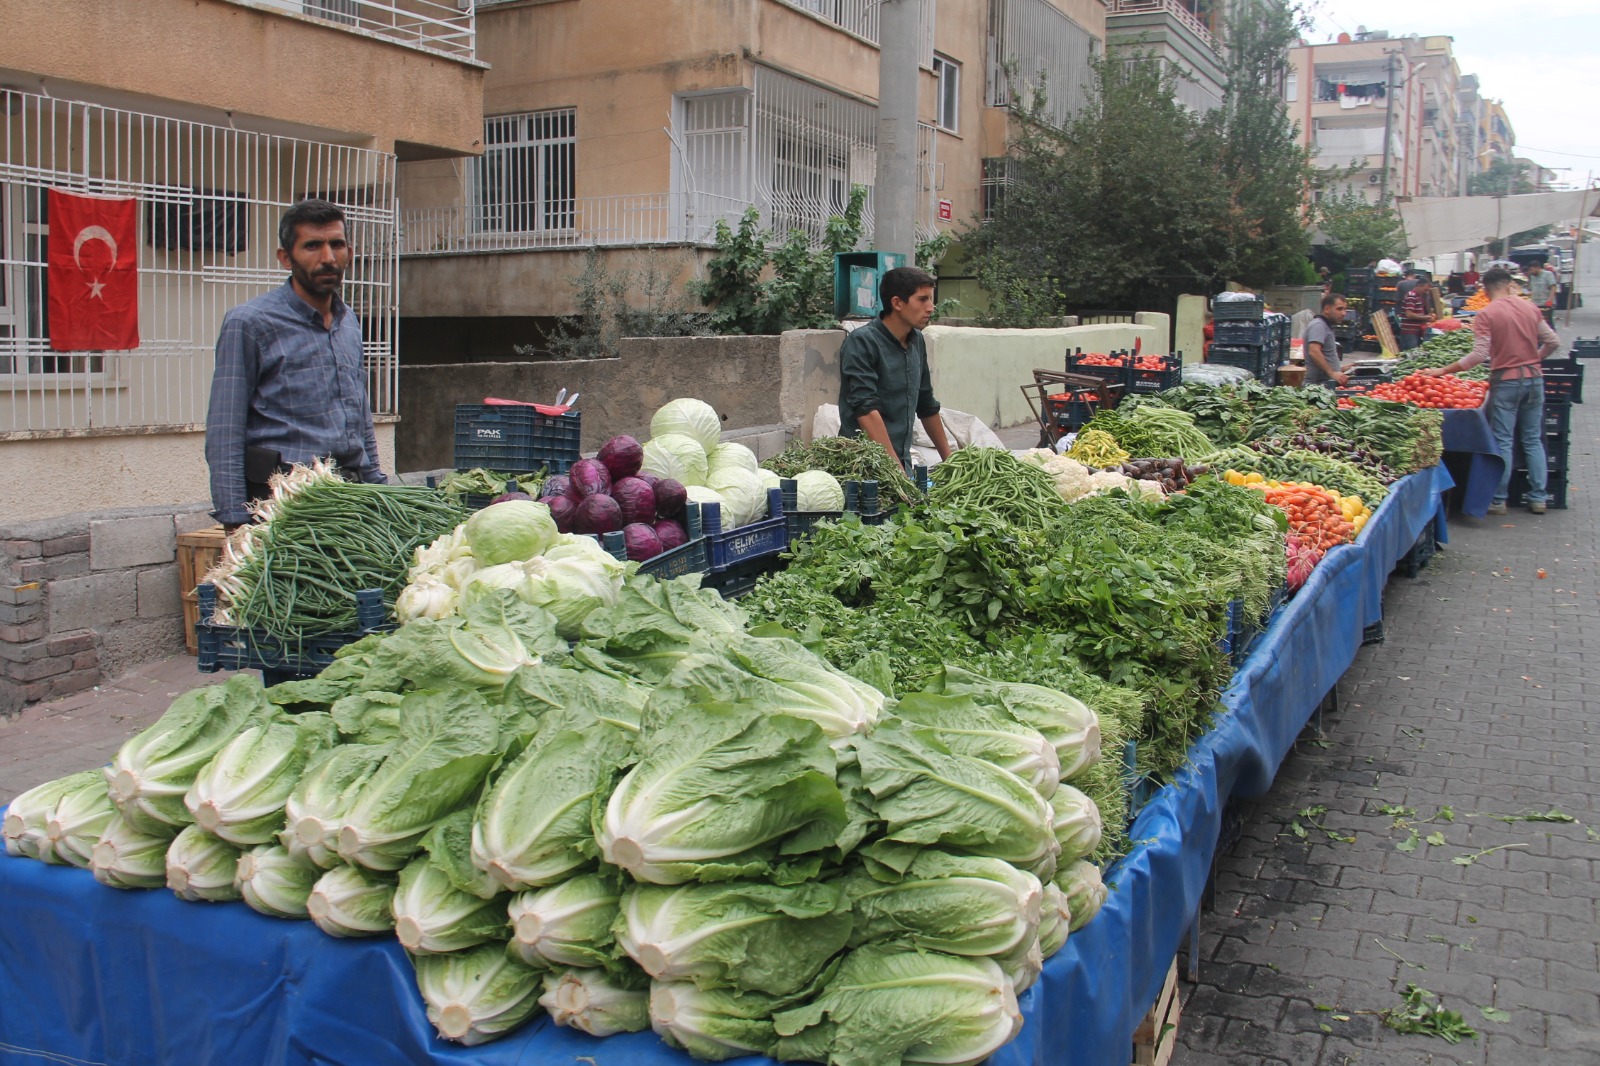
[(1440, 225)]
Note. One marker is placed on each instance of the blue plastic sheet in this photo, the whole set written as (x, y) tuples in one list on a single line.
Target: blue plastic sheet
[(91, 974), (1470, 449)]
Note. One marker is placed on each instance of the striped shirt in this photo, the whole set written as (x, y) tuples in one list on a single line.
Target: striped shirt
[(286, 382)]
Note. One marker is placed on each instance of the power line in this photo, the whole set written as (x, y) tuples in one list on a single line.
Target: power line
[(1552, 151)]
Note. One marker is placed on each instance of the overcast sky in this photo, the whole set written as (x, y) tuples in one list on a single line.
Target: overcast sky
[(1541, 58)]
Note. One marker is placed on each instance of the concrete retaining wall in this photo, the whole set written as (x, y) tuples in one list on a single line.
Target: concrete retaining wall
[(88, 597)]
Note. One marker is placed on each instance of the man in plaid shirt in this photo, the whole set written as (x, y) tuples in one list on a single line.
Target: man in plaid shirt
[(1416, 314), (290, 384)]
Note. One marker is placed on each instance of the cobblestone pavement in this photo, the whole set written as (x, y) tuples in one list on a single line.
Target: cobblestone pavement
[(1477, 709)]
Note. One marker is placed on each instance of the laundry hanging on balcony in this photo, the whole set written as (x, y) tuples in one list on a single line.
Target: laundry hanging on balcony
[(93, 273), (1329, 90)]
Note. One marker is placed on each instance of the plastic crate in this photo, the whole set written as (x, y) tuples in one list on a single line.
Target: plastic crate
[(1555, 488), (1252, 310), (1115, 375), (766, 536), (1144, 382), (739, 579), (1557, 418), (1261, 361), (509, 437), (860, 499), (1069, 411), (1563, 385), (691, 557), (1245, 334), (477, 501), (1585, 348), (1417, 557), (237, 648), (1556, 453)]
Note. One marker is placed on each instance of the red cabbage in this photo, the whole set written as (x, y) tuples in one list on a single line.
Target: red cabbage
[(561, 485), (670, 498), (647, 477), (504, 496), (562, 509), (672, 534), (622, 456), (590, 478), (637, 500), (641, 541), (597, 514)]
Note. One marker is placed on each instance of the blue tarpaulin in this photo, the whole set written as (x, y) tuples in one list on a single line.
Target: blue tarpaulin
[(1470, 449), (89, 974)]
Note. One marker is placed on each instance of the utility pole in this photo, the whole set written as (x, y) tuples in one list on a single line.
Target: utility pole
[(894, 194), (1388, 125)]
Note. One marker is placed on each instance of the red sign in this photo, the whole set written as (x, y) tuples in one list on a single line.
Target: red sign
[(946, 213), (93, 273)]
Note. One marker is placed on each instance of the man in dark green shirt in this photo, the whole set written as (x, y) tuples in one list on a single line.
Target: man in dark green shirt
[(883, 369)]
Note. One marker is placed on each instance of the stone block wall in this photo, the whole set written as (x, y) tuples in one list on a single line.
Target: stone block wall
[(86, 597)]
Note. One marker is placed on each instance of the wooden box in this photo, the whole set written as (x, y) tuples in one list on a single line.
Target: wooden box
[(198, 552), (1157, 1036)]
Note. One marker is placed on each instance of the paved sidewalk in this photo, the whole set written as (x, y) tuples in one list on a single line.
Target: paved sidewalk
[(1479, 703)]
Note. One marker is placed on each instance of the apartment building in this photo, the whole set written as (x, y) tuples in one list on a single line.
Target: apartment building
[(629, 127), (1183, 34), (213, 115), (1382, 108)]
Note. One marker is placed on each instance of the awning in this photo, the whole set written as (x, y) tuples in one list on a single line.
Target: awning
[(1440, 225)]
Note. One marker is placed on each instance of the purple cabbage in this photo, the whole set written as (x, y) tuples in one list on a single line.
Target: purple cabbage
[(561, 485), (622, 456), (562, 509), (641, 541), (672, 534), (597, 514), (670, 498), (637, 500), (590, 478)]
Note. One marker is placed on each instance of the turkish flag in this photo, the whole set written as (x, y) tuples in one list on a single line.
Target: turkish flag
[(94, 276)]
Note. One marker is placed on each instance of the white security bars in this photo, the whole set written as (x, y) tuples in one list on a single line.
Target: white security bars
[(448, 27), (860, 17), (209, 199), (1045, 49), (526, 179), (811, 146)]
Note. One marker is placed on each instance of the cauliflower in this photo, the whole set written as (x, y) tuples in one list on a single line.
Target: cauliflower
[(1071, 477)]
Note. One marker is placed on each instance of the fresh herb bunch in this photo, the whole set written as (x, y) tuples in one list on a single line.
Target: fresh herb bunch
[(1151, 430), (848, 459)]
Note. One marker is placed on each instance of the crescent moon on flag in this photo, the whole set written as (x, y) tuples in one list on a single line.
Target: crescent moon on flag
[(93, 233)]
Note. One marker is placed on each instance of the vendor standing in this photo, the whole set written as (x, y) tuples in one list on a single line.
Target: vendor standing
[(884, 384), (1416, 314), (1514, 337), (1542, 286), (290, 384), (1321, 346)]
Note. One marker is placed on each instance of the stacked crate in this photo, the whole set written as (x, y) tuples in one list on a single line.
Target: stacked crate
[(1246, 339), (1557, 444)]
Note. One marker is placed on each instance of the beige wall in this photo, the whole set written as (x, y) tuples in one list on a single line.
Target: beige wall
[(227, 57), (69, 475), (515, 284)]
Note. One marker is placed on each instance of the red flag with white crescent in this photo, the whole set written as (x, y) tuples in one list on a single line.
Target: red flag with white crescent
[(94, 277)]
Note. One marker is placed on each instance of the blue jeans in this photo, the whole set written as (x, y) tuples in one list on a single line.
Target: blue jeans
[(1516, 416)]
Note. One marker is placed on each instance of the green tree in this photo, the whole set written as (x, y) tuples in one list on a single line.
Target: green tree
[(1359, 230), (1119, 208), (1266, 168), (640, 299), (758, 285)]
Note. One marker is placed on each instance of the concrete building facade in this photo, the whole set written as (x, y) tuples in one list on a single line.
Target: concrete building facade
[(606, 128), (1183, 34)]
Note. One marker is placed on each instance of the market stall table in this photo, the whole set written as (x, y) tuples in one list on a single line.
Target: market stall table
[(1472, 457), (125, 978)]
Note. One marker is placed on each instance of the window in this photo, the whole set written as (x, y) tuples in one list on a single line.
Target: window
[(525, 180), (996, 176), (1291, 88), (948, 73)]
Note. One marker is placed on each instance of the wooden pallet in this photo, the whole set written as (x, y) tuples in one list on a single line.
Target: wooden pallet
[(1157, 1036), (198, 552)]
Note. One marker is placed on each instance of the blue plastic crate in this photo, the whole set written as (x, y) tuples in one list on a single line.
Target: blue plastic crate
[(1244, 334), (860, 499), (509, 437), (1260, 361), (1113, 375), (238, 648), (740, 578), (691, 557), (767, 536)]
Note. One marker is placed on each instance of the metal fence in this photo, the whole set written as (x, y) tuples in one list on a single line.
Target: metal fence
[(1033, 46), (860, 17), (209, 199), (1173, 8), (606, 221), (449, 28)]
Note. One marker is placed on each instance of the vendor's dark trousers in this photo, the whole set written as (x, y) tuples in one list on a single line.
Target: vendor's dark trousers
[(1516, 417)]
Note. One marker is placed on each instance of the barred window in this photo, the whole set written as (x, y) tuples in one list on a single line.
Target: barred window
[(526, 178)]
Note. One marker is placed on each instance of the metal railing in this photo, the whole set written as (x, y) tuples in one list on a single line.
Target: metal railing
[(606, 221), (1179, 13), (860, 17), (1033, 45), (448, 28), (209, 198)]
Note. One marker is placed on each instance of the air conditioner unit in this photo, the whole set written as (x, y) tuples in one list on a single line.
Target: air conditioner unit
[(1374, 179)]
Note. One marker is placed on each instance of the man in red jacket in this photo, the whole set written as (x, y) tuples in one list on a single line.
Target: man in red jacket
[(1513, 336)]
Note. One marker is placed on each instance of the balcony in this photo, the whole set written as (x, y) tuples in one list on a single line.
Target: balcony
[(1180, 14), (446, 28), (602, 221)]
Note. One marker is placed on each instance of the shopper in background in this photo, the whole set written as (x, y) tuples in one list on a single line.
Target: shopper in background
[(1416, 314), (290, 383), (1542, 290), (1322, 346), (1512, 335)]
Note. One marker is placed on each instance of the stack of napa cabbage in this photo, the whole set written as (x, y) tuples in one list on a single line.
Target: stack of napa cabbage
[(675, 823)]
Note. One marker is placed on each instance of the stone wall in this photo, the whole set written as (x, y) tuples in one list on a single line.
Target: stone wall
[(88, 596)]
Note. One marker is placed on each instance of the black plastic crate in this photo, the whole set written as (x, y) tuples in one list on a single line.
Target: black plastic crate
[(766, 536), (1114, 375), (1420, 553), (510, 437), (1556, 454), (239, 648), (860, 499), (1555, 488), (740, 578), (1069, 411), (1585, 348), (1252, 310), (1261, 361), (1245, 334), (1170, 376), (691, 557), (1563, 385), (1557, 418)]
